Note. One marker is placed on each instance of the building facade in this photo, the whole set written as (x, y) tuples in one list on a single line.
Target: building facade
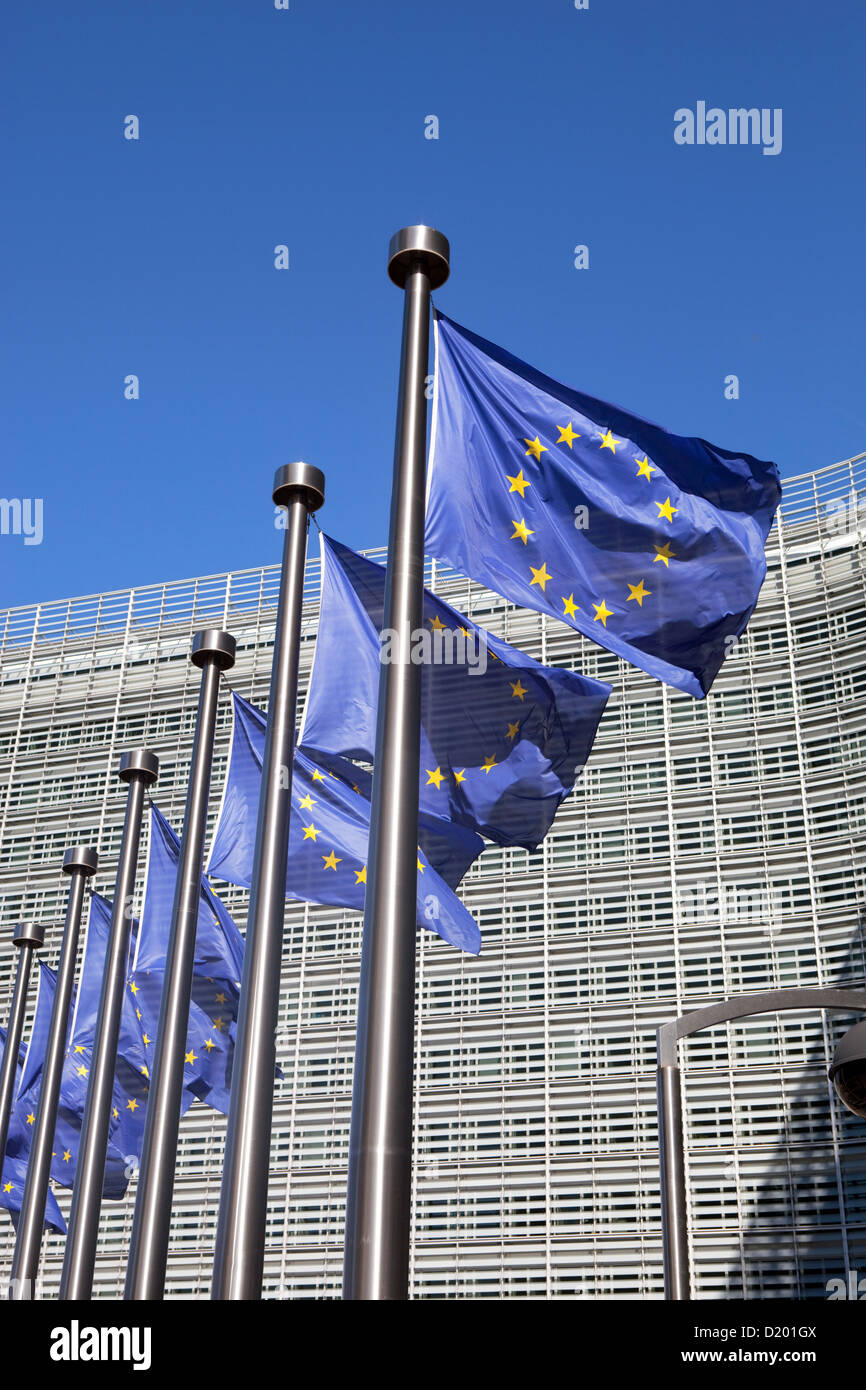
[(712, 847)]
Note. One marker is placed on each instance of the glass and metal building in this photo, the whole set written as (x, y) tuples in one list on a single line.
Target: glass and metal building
[(712, 847)]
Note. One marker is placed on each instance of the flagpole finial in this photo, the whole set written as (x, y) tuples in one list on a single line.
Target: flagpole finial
[(299, 479), (419, 246), (212, 644), (140, 763), (81, 859), (29, 934)]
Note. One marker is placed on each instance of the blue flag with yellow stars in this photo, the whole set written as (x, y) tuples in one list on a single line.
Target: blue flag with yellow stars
[(503, 738), (329, 829), (14, 1170), (130, 1085), (647, 542), (217, 968)]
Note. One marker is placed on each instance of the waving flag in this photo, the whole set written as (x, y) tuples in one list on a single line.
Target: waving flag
[(130, 1085), (649, 543), (14, 1170), (503, 738), (217, 970), (328, 834)]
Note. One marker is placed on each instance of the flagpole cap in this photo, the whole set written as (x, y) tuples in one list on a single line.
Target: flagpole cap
[(212, 644), (295, 479), (422, 247), (140, 764), (81, 859), (29, 934)]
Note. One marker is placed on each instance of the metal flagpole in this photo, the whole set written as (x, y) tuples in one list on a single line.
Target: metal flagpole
[(240, 1241), (28, 938), (213, 652), (376, 1261), (79, 863), (139, 769)]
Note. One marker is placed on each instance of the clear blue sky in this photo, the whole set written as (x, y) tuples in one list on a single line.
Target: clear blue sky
[(306, 127)]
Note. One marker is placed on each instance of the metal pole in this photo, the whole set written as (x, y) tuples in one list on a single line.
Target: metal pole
[(28, 938), (79, 863), (672, 1166), (376, 1259), (213, 652), (139, 769), (240, 1241)]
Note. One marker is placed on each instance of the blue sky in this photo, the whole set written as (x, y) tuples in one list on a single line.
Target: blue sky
[(306, 127)]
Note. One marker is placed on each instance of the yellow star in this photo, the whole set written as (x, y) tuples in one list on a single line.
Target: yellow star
[(138, 1014), (307, 804), (331, 861), (570, 606), (536, 448), (190, 1057), (460, 776), (78, 1048), (488, 764), (219, 1025), (637, 591), (145, 1039), (540, 576), (602, 613), (31, 1119), (145, 1072), (317, 775), (115, 1112), (608, 442), (361, 875), (82, 1071), (518, 483), (437, 624), (566, 435), (209, 1044), (644, 468), (134, 987), (521, 530), (67, 1155), (7, 1187), (513, 730), (663, 552), (666, 510), (221, 999), (420, 867), (310, 832), (435, 778), (518, 690), (132, 1104)]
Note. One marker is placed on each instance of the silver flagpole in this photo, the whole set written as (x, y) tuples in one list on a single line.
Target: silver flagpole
[(376, 1261), (80, 864), (240, 1243), (28, 938), (139, 770), (213, 652)]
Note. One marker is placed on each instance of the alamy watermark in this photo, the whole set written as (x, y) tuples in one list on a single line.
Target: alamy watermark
[(22, 516), (736, 126), (436, 646)]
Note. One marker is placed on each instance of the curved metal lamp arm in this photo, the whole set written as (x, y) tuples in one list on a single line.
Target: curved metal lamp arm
[(770, 1001), (671, 1142)]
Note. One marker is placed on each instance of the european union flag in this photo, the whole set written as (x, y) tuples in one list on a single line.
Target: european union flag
[(14, 1169), (217, 969), (329, 830), (649, 543), (503, 738)]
